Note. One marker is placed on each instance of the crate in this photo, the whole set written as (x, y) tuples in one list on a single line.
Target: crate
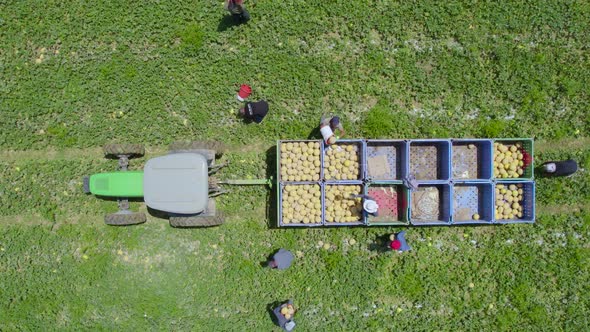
[(330, 216), (282, 222), (341, 146), (470, 198), (471, 159), (315, 159), (386, 160), (393, 204), (430, 160), (528, 148), (527, 203), (430, 204)]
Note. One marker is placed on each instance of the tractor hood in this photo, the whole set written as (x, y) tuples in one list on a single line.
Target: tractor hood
[(177, 183)]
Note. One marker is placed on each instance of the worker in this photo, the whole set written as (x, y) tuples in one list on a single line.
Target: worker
[(281, 260), (238, 10), (559, 168), (328, 126), (254, 111), (397, 241), (370, 206), (284, 315)]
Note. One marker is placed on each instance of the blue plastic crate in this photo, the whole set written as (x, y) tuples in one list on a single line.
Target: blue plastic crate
[(470, 198), (281, 222), (392, 199), (430, 204), (430, 160), (327, 214), (360, 144), (471, 159), (280, 153), (527, 203), (392, 155)]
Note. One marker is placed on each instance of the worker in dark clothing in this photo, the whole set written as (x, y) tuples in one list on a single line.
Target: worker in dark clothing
[(254, 111), (238, 10), (559, 168), (284, 315), (281, 259)]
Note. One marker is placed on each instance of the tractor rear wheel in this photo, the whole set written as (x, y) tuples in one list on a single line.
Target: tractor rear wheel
[(124, 219), (187, 146), (130, 150), (196, 221)]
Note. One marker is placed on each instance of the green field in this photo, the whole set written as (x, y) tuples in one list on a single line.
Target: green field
[(75, 75)]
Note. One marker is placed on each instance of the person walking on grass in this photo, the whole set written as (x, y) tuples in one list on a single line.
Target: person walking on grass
[(254, 111), (238, 10), (328, 127)]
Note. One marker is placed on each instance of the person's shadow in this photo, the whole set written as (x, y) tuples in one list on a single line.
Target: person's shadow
[(380, 244), (227, 22)]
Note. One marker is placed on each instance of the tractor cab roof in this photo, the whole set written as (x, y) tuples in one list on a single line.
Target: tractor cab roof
[(177, 183)]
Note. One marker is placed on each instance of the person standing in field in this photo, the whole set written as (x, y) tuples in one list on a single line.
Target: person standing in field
[(281, 260), (237, 10), (328, 125), (560, 168), (254, 111)]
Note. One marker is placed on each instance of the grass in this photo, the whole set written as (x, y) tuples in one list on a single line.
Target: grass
[(76, 76)]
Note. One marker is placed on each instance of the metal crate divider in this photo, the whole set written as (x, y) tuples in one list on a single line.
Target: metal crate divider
[(280, 142), (528, 147), (466, 162), (472, 197), (443, 209), (280, 222), (361, 159), (528, 203), (396, 152), (428, 169), (361, 222), (397, 205)]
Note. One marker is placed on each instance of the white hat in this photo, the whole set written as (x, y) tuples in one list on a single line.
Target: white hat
[(290, 325), (370, 206)]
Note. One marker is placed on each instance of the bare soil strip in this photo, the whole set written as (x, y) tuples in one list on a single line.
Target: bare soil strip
[(96, 152)]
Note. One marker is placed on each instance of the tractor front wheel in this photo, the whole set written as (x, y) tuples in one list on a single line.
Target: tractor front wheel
[(196, 221), (130, 150), (124, 219)]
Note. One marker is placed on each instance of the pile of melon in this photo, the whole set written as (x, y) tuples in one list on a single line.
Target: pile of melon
[(509, 201), (302, 204), (340, 206), (300, 161), (508, 160), (341, 162)]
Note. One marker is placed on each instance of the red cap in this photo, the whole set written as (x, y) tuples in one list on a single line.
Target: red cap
[(395, 244)]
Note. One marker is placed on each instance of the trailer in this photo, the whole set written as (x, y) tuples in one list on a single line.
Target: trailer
[(459, 182)]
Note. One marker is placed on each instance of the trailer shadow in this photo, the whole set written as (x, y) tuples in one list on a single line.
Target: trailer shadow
[(271, 198)]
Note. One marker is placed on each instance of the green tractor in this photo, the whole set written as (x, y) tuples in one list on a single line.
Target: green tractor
[(176, 185)]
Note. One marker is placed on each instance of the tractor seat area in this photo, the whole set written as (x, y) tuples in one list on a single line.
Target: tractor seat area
[(176, 183)]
